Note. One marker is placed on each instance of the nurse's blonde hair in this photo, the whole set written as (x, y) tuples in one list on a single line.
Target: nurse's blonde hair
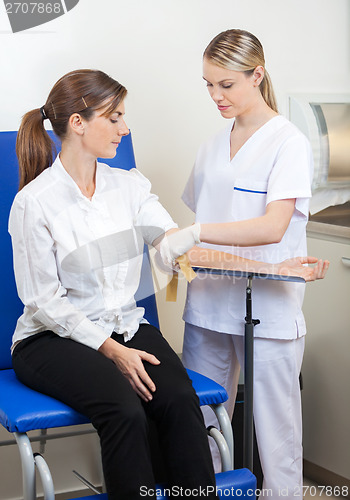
[(239, 50)]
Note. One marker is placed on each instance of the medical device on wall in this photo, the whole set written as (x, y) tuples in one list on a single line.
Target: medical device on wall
[(325, 120)]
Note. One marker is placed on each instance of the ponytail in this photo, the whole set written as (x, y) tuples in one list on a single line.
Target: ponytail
[(267, 92), (34, 148)]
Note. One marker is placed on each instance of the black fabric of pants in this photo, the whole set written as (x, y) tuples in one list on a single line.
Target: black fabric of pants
[(92, 384)]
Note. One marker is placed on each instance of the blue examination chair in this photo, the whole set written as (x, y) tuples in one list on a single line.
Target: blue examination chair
[(23, 410)]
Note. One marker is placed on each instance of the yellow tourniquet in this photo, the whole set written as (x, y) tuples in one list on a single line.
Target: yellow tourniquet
[(186, 269)]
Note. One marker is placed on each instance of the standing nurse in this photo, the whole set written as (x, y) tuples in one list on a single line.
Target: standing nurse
[(254, 179)]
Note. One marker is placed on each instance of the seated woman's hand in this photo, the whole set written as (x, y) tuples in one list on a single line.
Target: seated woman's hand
[(297, 267), (130, 362)]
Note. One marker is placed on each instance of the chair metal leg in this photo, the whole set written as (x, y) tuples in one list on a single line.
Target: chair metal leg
[(223, 448), (43, 435), (45, 476), (28, 466), (226, 429)]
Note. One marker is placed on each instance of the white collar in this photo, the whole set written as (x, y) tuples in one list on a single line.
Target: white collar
[(59, 170)]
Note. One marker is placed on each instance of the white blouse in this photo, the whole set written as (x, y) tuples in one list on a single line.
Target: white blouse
[(77, 261)]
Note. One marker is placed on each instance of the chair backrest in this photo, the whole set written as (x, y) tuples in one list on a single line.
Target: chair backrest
[(10, 305)]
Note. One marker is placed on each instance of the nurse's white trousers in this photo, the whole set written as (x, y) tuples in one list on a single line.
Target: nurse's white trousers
[(277, 399)]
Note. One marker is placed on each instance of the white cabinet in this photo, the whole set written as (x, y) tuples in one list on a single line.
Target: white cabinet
[(326, 366)]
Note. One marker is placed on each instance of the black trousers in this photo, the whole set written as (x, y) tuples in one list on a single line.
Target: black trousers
[(92, 384)]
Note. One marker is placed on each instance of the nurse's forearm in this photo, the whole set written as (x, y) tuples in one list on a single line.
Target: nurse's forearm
[(244, 233), (264, 230)]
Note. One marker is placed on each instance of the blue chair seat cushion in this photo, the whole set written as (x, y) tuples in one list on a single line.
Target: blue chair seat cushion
[(208, 391), (231, 484), (23, 409)]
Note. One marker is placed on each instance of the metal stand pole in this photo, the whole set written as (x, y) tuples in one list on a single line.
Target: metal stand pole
[(248, 379)]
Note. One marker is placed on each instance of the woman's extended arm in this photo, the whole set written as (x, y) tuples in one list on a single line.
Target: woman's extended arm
[(205, 257)]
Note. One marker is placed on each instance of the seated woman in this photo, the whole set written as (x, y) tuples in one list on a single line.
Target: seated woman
[(81, 338)]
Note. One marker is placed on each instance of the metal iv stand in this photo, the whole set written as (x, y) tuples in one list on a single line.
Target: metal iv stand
[(248, 378)]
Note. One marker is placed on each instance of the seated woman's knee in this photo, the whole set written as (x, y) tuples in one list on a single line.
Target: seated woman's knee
[(127, 414), (181, 395)]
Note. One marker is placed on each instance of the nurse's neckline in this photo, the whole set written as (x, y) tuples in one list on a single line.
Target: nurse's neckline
[(233, 156)]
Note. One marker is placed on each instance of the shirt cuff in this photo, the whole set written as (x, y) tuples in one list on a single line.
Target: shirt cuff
[(89, 334)]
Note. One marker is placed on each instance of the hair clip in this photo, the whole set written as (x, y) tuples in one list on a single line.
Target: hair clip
[(43, 114)]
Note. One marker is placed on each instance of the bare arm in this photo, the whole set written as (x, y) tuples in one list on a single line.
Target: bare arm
[(264, 230), (205, 257)]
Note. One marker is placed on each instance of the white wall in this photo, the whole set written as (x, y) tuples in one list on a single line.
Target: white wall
[(154, 48)]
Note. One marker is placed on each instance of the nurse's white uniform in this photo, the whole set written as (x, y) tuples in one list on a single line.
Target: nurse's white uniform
[(274, 164)]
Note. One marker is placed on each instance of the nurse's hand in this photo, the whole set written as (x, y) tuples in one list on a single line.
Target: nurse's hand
[(130, 363), (297, 267), (178, 243)]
